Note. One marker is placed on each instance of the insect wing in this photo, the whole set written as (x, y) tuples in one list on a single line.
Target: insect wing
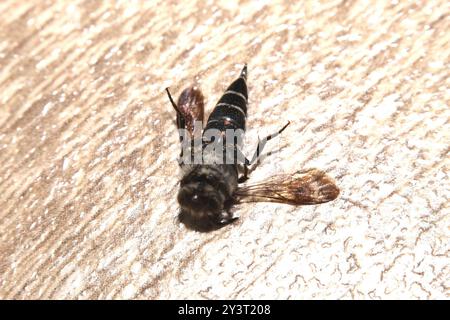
[(302, 188), (191, 109)]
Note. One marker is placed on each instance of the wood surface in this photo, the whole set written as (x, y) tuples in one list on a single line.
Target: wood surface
[(88, 148)]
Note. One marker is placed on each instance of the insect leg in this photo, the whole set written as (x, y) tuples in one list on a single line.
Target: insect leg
[(244, 177), (239, 156), (262, 143)]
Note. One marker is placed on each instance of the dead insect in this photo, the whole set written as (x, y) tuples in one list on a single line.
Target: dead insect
[(209, 189)]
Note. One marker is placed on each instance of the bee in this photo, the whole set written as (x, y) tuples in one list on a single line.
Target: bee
[(211, 186)]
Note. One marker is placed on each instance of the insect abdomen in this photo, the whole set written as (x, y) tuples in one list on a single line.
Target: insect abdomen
[(231, 110)]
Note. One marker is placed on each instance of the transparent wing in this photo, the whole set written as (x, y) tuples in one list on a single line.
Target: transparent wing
[(301, 188)]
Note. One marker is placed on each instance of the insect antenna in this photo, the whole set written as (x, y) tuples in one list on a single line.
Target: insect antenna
[(173, 102)]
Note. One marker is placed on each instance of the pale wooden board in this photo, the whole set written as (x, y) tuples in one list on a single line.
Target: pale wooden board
[(88, 147)]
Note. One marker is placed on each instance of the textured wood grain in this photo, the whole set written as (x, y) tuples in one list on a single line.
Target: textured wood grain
[(88, 172)]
